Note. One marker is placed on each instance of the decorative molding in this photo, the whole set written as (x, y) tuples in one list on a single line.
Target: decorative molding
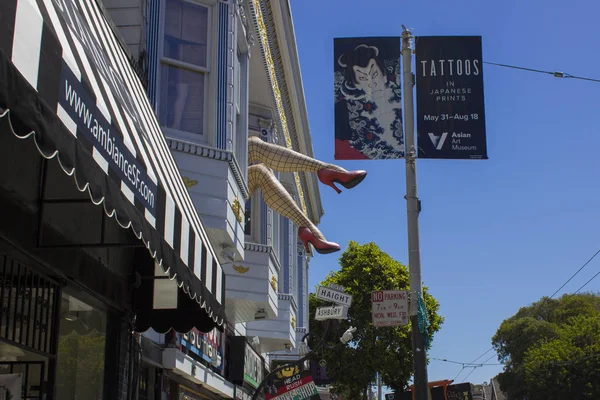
[(273, 78), (274, 283), (257, 247), (293, 322), (205, 151), (189, 182), (290, 298), (237, 210), (241, 269), (243, 14), (264, 248)]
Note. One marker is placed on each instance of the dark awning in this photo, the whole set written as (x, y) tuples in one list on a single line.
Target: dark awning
[(65, 81)]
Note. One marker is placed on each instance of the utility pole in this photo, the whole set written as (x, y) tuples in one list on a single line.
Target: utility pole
[(421, 389)]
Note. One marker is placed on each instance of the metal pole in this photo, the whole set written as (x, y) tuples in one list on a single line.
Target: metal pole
[(420, 387), (378, 386)]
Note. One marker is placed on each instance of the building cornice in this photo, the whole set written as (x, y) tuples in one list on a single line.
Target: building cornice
[(267, 38), (202, 150)]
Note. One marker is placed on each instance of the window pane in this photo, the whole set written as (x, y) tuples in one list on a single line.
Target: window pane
[(81, 349), (181, 99), (186, 32)]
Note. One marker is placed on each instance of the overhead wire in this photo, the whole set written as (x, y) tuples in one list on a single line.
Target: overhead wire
[(557, 290), (585, 284), (573, 276), (556, 74)]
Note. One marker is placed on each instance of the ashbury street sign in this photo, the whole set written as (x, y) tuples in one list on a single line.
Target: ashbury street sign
[(333, 312), (334, 296), (389, 307)]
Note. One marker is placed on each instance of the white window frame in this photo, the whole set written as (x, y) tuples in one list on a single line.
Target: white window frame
[(208, 72)]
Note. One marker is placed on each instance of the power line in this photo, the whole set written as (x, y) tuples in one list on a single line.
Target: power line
[(459, 372), (556, 74), (585, 284), (469, 374), (573, 276), (564, 284), (466, 364)]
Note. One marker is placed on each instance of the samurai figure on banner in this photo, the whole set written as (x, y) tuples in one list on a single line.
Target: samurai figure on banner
[(368, 112)]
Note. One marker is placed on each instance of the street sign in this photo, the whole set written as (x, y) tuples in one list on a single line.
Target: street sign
[(334, 312), (334, 296), (389, 307), (337, 287)]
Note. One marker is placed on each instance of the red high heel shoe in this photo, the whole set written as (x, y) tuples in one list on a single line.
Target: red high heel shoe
[(348, 179), (321, 246)]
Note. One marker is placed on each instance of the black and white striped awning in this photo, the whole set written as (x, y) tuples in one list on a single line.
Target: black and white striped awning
[(65, 81)]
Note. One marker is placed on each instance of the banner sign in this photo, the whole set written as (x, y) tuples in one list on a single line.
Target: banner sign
[(300, 386), (450, 102), (389, 307), (368, 111)]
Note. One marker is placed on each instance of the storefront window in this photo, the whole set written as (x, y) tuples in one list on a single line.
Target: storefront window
[(81, 348)]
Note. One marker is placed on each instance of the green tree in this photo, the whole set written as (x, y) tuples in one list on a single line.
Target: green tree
[(365, 268), (551, 349)]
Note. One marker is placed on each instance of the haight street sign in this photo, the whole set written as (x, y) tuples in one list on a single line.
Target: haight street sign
[(334, 312), (334, 296)]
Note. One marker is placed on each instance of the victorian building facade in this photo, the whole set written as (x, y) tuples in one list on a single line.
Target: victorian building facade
[(217, 72)]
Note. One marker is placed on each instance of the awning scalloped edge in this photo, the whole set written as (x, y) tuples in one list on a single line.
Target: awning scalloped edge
[(113, 214)]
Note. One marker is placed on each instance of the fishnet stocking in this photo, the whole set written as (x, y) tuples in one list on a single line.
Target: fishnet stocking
[(283, 159), (277, 198)]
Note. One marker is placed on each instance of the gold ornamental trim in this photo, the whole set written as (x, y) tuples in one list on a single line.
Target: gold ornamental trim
[(189, 182), (274, 283), (236, 207), (293, 322), (264, 40), (241, 269)]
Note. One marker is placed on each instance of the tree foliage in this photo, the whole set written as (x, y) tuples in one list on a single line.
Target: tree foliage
[(551, 349), (365, 268)]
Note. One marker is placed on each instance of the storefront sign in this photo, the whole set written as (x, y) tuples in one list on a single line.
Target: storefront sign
[(253, 368), (242, 394), (389, 307), (450, 103), (245, 364), (297, 387), (204, 345), (94, 122)]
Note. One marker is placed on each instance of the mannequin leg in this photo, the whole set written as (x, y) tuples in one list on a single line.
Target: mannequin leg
[(280, 201), (283, 159)]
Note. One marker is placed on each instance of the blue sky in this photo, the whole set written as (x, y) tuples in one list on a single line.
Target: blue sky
[(496, 234)]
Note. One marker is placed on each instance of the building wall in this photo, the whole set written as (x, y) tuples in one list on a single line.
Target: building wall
[(214, 164)]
